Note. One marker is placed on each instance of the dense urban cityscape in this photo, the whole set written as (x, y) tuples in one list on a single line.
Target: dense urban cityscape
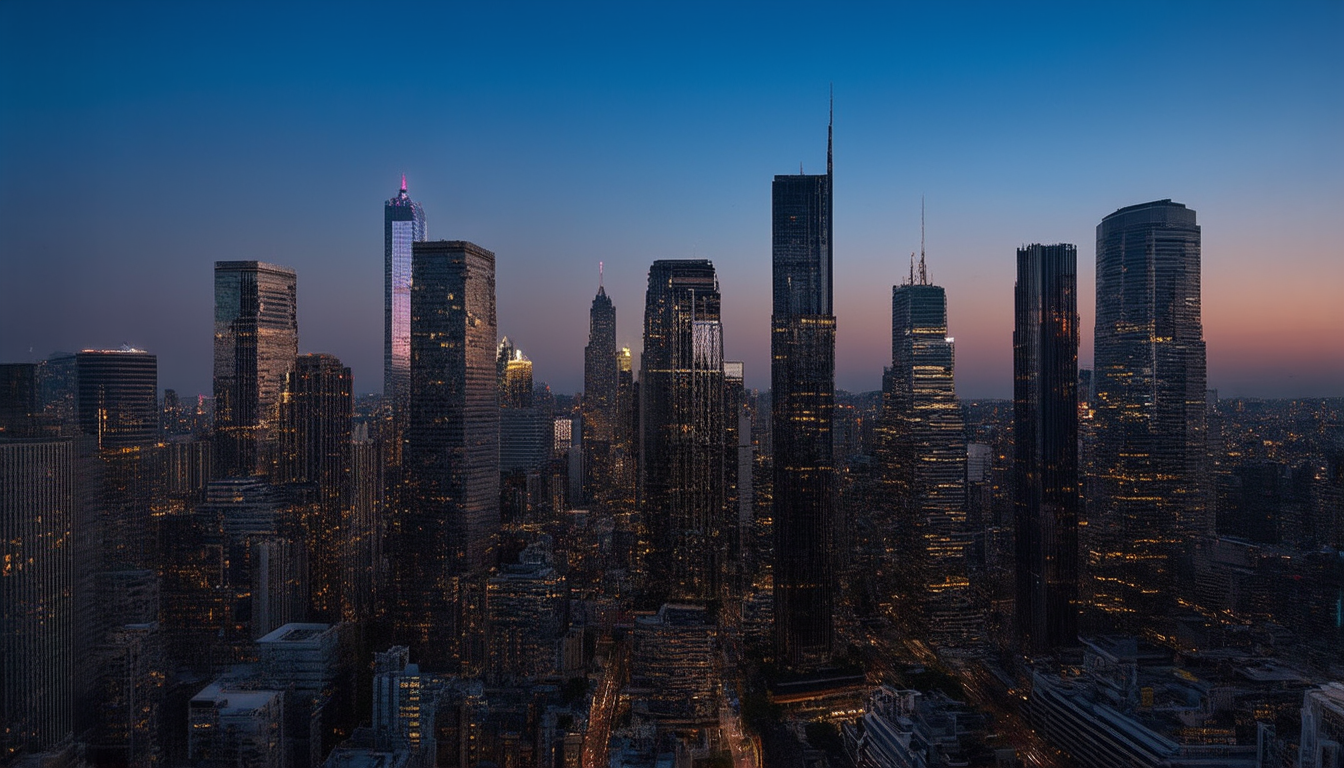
[(682, 562)]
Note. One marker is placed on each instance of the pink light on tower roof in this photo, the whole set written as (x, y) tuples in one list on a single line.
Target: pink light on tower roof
[(403, 182)]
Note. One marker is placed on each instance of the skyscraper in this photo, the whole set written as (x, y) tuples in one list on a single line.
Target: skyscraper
[(316, 416), (118, 396), (1148, 497), (403, 224), (599, 395), (118, 409), (446, 526), (928, 443), (681, 415), (38, 493), (802, 378), (256, 341), (1045, 462)]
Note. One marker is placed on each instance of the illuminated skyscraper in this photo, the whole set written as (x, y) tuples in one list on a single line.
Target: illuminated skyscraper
[(316, 415), (929, 442), (118, 396), (256, 341), (599, 396), (447, 524), (681, 416), (1045, 464), (403, 224), (1148, 498), (802, 378)]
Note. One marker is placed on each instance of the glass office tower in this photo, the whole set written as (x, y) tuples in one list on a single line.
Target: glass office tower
[(403, 224), (1148, 496), (802, 377), (256, 341), (1045, 463)]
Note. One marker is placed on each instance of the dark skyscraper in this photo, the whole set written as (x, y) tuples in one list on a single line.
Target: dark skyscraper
[(403, 224), (1045, 464), (1148, 497), (928, 442), (447, 524), (316, 414), (681, 415), (599, 396), (256, 341), (118, 396), (802, 377)]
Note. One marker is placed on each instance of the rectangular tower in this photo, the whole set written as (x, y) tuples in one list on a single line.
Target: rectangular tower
[(682, 466), (256, 341), (802, 376), (403, 225), (447, 524), (1045, 463)]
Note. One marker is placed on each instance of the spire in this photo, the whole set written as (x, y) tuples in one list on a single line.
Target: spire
[(923, 271), (403, 182), (601, 291), (830, 125)]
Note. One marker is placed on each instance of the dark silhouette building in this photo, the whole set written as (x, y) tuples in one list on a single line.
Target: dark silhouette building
[(256, 341), (802, 378), (681, 416), (403, 225), (1147, 498), (447, 523), (316, 417), (118, 396), (599, 397), (1045, 464)]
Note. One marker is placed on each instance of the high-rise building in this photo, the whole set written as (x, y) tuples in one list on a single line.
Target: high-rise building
[(38, 494), (802, 378), (599, 396), (256, 341), (681, 415), (446, 527), (236, 726), (1045, 464), (928, 443), (118, 409), (403, 224), (316, 414), (1147, 500), (118, 396), (525, 617)]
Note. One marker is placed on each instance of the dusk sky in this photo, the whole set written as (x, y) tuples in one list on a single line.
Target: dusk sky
[(141, 142)]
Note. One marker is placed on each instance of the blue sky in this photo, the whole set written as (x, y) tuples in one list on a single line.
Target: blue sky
[(141, 142)]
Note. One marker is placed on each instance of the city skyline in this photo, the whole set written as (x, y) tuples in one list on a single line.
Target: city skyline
[(1246, 143)]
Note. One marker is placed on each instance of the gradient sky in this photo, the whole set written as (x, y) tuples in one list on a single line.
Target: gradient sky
[(141, 142)]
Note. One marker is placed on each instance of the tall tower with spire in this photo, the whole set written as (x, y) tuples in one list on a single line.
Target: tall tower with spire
[(599, 394), (802, 373), (403, 224), (926, 465)]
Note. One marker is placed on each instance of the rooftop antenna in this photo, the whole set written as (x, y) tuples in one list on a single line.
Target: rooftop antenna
[(923, 271), (830, 125), (403, 182), (800, 167), (912, 269)]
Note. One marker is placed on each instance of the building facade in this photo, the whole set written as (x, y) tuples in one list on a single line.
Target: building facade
[(1045, 466), (928, 448), (599, 397), (447, 524), (682, 420), (1147, 496), (802, 378), (256, 341), (403, 225)]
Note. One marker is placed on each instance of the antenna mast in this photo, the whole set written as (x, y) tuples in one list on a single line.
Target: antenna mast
[(923, 271)]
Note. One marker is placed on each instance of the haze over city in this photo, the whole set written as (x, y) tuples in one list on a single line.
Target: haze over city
[(141, 143)]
